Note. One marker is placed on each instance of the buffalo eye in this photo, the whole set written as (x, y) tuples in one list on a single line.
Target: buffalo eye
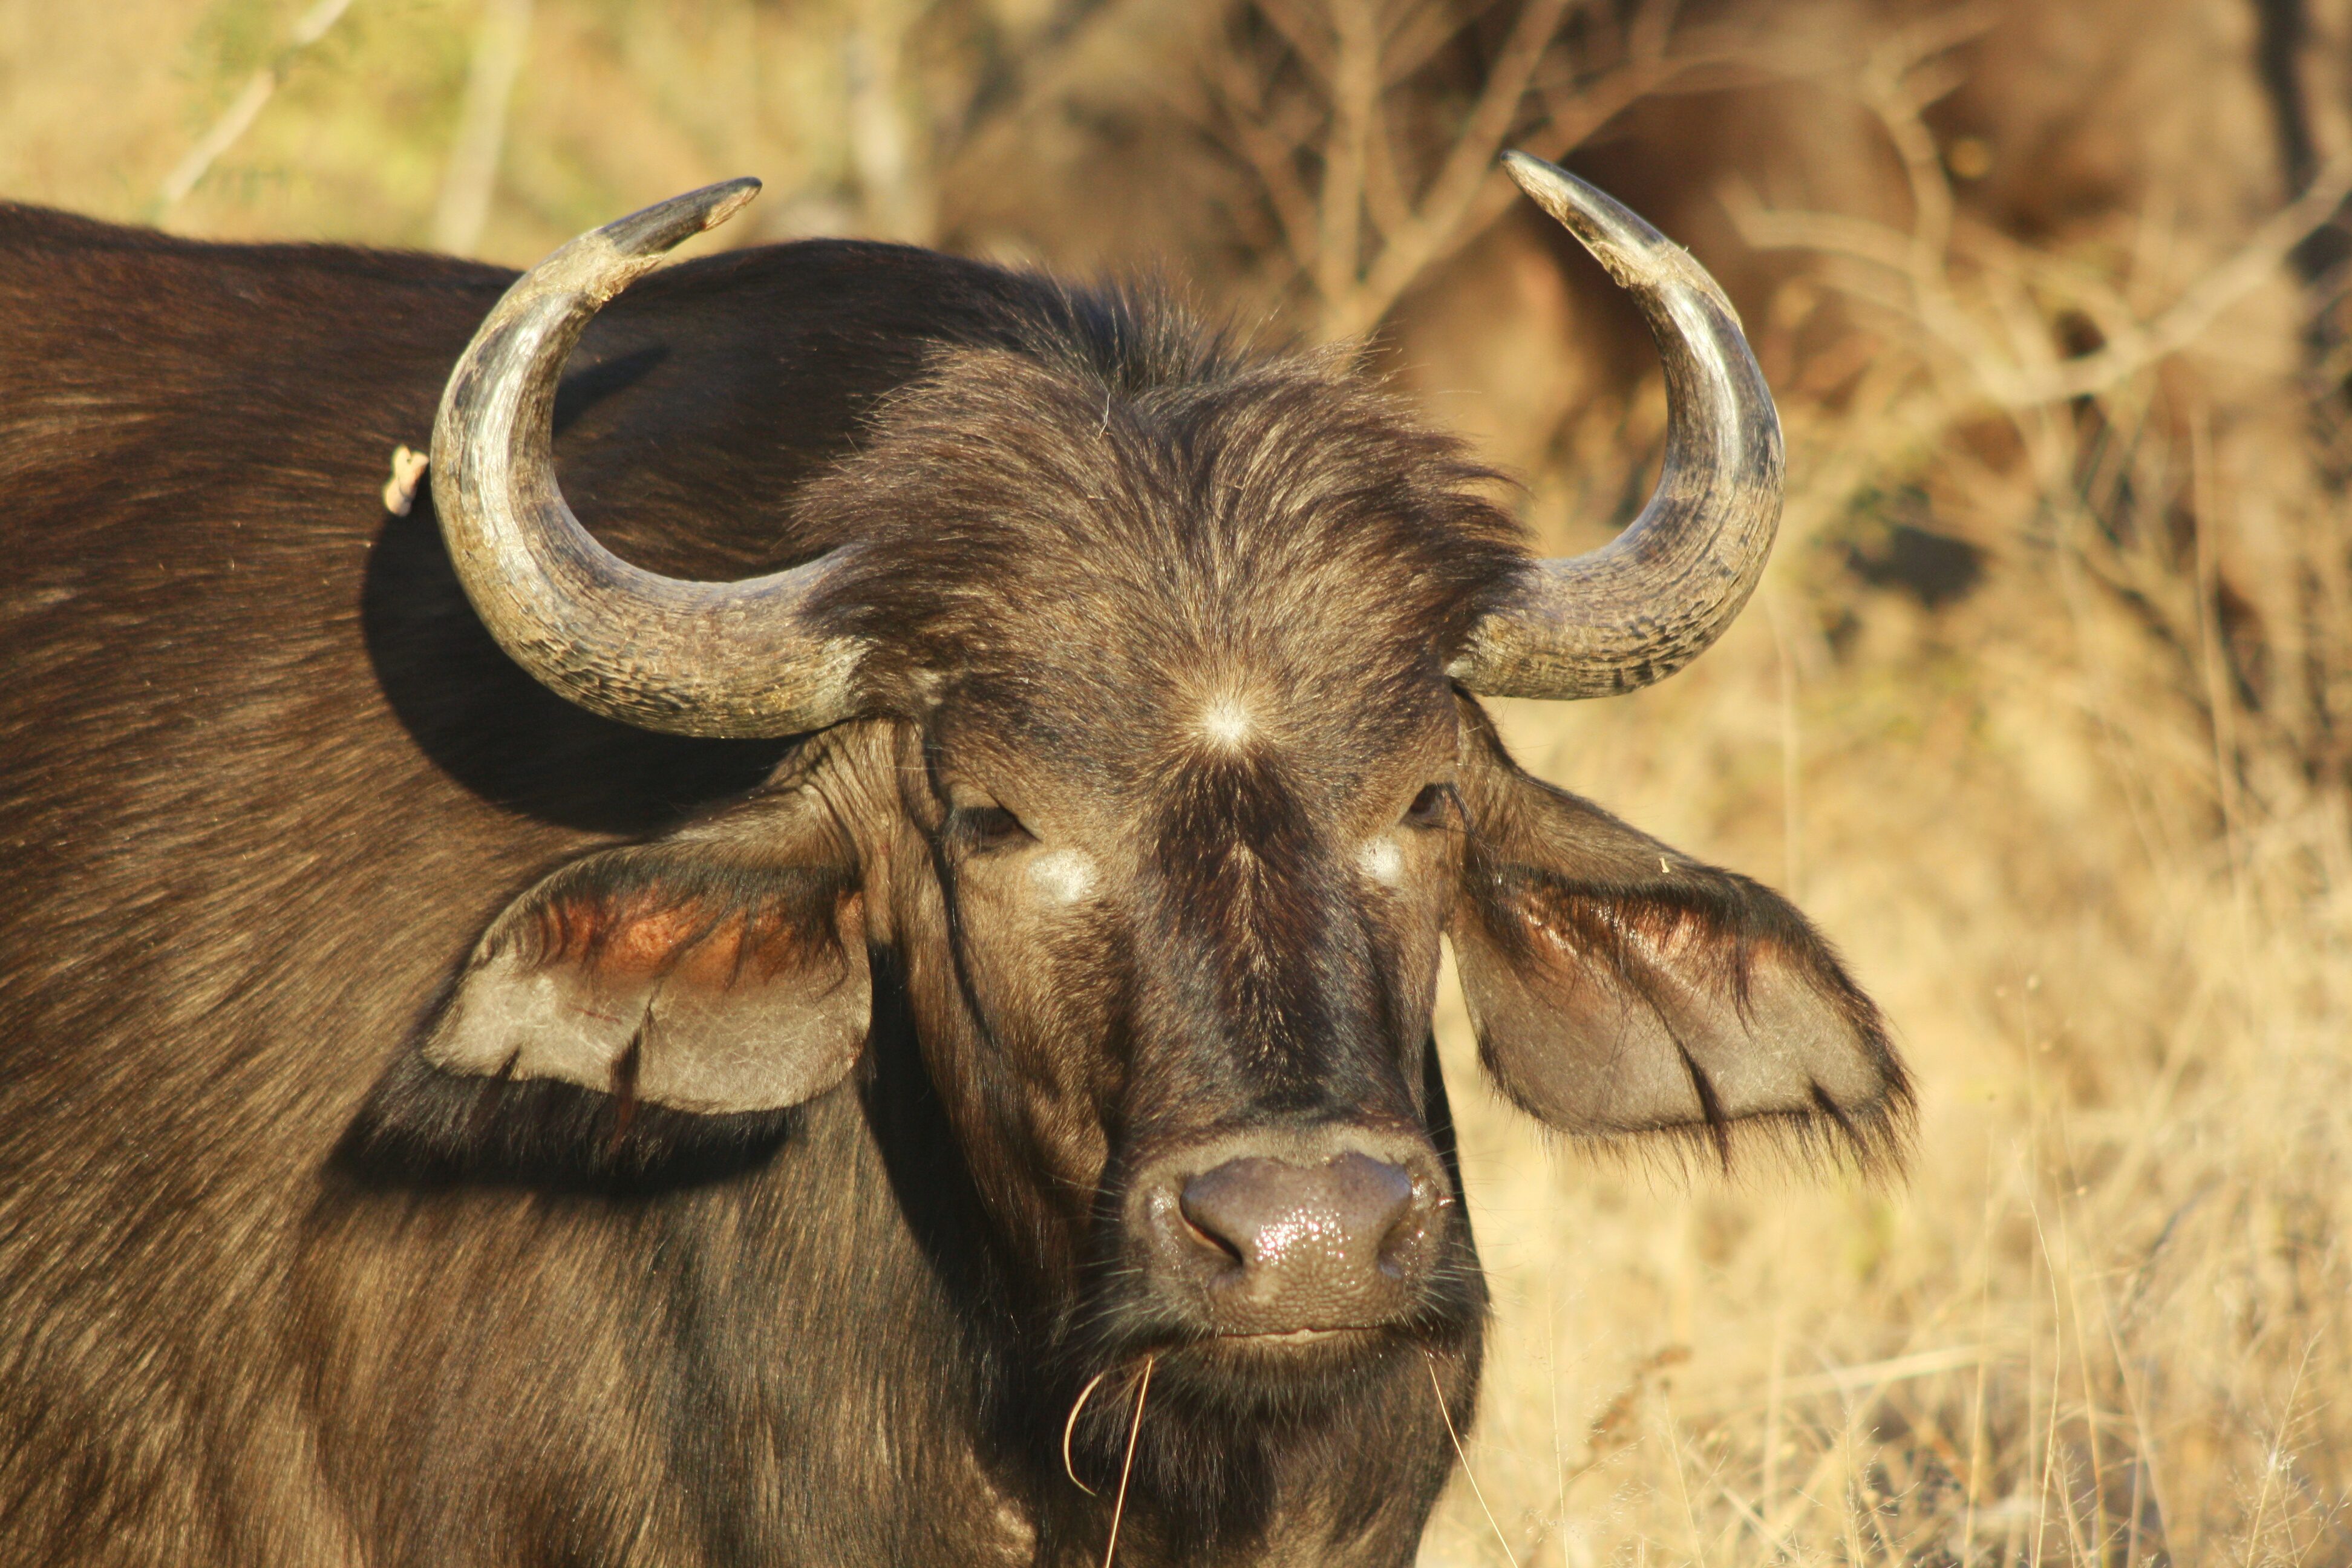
[(1429, 808), (990, 826)]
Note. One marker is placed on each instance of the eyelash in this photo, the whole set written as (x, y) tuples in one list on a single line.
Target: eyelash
[(990, 826)]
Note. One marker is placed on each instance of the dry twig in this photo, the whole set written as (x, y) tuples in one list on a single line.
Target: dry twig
[(2008, 357), (245, 108), (472, 167), (1362, 209)]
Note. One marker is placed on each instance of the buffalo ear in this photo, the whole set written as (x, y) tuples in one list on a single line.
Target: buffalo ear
[(642, 1001), (652, 973), (1617, 986)]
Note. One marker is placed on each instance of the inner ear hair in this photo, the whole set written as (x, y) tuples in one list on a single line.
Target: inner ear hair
[(643, 1014), (670, 972), (1631, 996)]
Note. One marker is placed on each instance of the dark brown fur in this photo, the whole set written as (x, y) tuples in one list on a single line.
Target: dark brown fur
[(276, 1288)]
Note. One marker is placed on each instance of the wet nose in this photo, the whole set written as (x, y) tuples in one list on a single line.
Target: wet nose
[(1274, 1247)]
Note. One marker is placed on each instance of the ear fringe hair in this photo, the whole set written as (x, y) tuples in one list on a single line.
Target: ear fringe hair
[(1872, 1143)]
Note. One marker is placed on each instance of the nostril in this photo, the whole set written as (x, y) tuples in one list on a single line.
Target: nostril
[(1217, 1207), (1400, 1243), (1211, 1240), (1382, 1207)]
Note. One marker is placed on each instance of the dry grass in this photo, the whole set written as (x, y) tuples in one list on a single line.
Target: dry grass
[(2084, 828)]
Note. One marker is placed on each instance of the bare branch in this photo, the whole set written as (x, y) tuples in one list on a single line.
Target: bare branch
[(1386, 200), (1355, 100), (244, 109), (891, 168), (1434, 236), (1468, 165), (1380, 212), (1248, 128), (1424, 30), (473, 169), (2203, 301), (2014, 380), (1308, 40)]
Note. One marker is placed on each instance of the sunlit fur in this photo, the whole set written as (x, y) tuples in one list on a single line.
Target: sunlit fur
[(275, 1288)]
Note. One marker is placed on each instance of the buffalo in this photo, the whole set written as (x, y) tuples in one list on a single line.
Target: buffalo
[(874, 1005)]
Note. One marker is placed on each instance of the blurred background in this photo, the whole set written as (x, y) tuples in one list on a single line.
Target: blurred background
[(2044, 710)]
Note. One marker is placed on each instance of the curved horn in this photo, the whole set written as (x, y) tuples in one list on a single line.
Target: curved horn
[(1651, 600), (661, 653)]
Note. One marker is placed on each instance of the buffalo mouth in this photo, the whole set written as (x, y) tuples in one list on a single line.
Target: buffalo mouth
[(1305, 1348), (1300, 1366), (1291, 1381), (1295, 1362)]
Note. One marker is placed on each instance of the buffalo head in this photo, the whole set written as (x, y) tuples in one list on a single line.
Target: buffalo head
[(1144, 773)]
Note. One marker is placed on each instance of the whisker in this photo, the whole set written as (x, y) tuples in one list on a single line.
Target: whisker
[(1072, 1425), (1447, 1416), (1134, 1430)]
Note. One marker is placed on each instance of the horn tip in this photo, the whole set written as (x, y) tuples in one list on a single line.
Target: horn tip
[(731, 196), (1550, 186), (1617, 235), (661, 226), (1526, 167)]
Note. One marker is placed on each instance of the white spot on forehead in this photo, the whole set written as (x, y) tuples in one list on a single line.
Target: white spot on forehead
[(1228, 722), (1066, 875), (1383, 861)]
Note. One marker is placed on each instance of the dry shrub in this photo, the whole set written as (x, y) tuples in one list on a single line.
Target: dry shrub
[(2043, 715), (2044, 710)]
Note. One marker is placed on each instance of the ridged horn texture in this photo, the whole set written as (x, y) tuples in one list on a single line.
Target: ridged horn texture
[(661, 653), (1651, 600)]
